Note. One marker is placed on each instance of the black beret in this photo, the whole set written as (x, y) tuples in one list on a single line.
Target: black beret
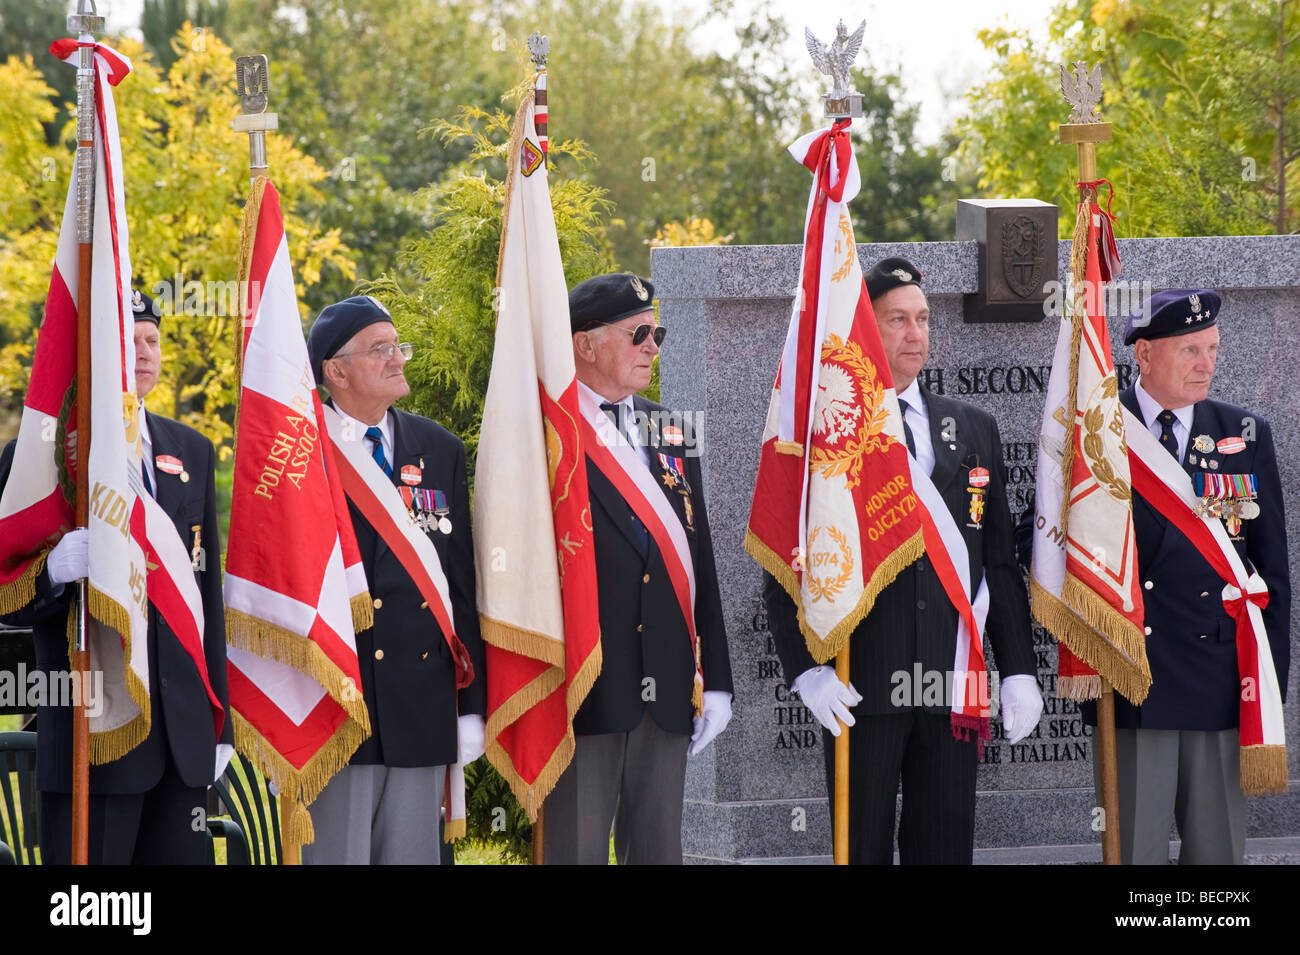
[(144, 308), (1178, 311), (339, 322), (607, 299), (888, 274)]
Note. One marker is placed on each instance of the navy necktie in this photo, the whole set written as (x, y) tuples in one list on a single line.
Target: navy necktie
[(907, 428), (144, 473), (1167, 438), (377, 436)]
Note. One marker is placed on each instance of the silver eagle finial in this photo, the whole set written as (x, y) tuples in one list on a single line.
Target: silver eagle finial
[(834, 60), (539, 47), (1084, 93)]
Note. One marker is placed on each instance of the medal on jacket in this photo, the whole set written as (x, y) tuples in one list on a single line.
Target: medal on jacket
[(674, 477), (979, 480), (441, 510), (1229, 497), (414, 503), (197, 550)]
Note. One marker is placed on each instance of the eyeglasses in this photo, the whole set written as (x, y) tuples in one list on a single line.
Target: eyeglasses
[(642, 332), (384, 351)]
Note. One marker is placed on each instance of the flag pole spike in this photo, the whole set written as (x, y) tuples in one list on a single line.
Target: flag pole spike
[(1082, 89), (253, 80), (85, 23)]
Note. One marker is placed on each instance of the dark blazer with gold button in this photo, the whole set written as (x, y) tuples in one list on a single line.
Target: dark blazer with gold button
[(912, 620), (407, 675), (182, 716), (642, 633), (1192, 646)]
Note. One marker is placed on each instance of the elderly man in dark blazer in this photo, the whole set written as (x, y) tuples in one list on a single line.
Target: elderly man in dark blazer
[(383, 807), (1178, 752), (143, 805), (635, 728), (913, 624)]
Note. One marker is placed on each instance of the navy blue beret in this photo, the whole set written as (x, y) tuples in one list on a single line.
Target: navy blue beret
[(1178, 311), (888, 274), (144, 308), (339, 322), (606, 299)]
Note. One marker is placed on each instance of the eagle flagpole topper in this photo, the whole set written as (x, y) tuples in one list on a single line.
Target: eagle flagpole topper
[(834, 60)]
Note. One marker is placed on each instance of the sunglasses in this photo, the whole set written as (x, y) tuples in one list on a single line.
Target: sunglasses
[(642, 332)]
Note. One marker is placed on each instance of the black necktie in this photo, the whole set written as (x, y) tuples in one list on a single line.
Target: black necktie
[(144, 473), (615, 414), (1166, 419), (907, 428)]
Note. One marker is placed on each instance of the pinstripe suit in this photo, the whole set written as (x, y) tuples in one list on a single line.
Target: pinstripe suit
[(913, 623)]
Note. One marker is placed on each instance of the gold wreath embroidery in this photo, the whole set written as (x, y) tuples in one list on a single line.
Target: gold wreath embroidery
[(825, 588), (845, 247), (848, 458), (1093, 447)]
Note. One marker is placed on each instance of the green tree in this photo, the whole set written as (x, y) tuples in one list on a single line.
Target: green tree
[(448, 307), (1204, 96), (186, 175), (161, 20), (27, 28)]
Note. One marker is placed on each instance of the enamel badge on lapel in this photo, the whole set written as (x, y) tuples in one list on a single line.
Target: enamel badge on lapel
[(411, 474), (168, 464), (1229, 497), (979, 480), (1203, 443)]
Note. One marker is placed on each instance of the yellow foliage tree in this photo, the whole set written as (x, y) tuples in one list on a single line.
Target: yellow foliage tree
[(695, 230), (186, 178)]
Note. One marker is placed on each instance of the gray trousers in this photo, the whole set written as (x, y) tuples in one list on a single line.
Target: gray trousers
[(636, 781), (378, 815), (1192, 777)]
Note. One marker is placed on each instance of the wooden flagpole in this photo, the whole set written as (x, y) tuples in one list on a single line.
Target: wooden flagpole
[(84, 23), (253, 82), (841, 814), (1085, 131)]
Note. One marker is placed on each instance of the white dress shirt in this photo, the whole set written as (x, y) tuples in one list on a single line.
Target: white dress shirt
[(629, 428), (918, 419), (1151, 408)]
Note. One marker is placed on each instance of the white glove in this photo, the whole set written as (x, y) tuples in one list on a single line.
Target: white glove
[(225, 753), (1022, 705), (828, 698), (714, 719), (70, 559), (471, 732)]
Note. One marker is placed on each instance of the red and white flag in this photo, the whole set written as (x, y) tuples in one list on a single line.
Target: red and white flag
[(839, 509), (537, 596), (136, 555), (1084, 583), (295, 588)]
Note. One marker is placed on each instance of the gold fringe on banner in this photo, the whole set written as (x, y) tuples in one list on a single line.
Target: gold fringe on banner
[(363, 611), (301, 785), (266, 639), (244, 266), (453, 829), (1078, 314), (1123, 663), (21, 591), (884, 574), (108, 745), (1263, 769), (532, 795), (526, 643)]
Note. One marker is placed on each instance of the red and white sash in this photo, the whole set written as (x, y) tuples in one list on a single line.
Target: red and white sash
[(376, 497), (1168, 488), (622, 465), (946, 548)]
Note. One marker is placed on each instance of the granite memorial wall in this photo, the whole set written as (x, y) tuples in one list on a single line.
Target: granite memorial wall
[(758, 794)]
